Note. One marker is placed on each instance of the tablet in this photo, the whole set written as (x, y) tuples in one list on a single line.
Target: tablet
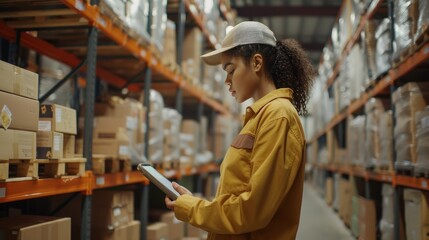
[(159, 180)]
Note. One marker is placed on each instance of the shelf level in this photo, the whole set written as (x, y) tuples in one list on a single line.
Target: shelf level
[(118, 179), (15, 191), (394, 179), (392, 76)]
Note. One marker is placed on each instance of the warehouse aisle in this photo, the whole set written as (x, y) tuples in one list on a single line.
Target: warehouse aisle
[(318, 221)]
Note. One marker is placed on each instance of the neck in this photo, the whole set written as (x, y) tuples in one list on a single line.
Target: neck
[(266, 86)]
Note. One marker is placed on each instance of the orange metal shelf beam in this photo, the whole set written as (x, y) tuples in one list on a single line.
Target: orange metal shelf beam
[(199, 21), (60, 55), (118, 179), (413, 182), (22, 190)]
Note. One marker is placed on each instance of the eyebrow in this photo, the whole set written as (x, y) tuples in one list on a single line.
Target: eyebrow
[(226, 65)]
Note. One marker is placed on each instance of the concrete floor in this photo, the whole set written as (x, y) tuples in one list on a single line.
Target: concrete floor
[(319, 221)]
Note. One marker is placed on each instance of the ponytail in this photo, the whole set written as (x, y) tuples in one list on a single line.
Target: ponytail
[(286, 64), (292, 69)]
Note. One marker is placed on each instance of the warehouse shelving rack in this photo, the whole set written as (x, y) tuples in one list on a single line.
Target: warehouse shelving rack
[(419, 59), (86, 184)]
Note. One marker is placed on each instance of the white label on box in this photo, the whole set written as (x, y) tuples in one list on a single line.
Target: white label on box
[(116, 211), (25, 151), (127, 177), (5, 117), (123, 150), (45, 126), (132, 123), (57, 142), (426, 51), (143, 53), (99, 181), (2, 192), (58, 115)]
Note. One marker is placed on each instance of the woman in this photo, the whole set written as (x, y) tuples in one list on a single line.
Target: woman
[(261, 177)]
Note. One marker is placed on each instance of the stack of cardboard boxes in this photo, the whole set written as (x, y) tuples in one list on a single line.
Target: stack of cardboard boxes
[(56, 133), (19, 115), (191, 62), (114, 216), (408, 100), (118, 129), (27, 227)]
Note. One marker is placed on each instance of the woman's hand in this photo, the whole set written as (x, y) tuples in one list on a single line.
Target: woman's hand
[(181, 190)]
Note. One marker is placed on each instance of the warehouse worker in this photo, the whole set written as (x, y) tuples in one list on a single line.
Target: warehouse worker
[(261, 177)]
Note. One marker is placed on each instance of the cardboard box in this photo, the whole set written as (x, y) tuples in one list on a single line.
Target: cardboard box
[(329, 191), (18, 113), (18, 81), (57, 118), (157, 231), (195, 232), (416, 214), (50, 145), (26, 227), (175, 227), (16, 144), (69, 146), (367, 219), (112, 208), (169, 55), (130, 231), (116, 146)]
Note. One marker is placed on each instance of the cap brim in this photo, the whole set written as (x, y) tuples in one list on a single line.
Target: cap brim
[(213, 57)]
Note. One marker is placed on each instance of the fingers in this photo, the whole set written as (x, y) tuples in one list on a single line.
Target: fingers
[(180, 189), (169, 203)]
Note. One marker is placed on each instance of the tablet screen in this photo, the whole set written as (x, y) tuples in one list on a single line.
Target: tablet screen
[(159, 180)]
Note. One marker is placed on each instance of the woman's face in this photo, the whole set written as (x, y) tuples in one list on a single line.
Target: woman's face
[(241, 78)]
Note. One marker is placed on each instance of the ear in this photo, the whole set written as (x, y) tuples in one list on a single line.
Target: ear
[(257, 62)]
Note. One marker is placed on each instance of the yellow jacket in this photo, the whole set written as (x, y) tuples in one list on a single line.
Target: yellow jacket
[(261, 177)]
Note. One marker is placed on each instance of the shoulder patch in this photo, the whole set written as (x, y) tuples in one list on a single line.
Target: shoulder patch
[(243, 141)]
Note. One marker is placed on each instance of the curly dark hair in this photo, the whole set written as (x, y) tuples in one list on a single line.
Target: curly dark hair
[(287, 65)]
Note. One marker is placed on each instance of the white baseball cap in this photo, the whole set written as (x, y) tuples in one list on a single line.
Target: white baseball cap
[(248, 32)]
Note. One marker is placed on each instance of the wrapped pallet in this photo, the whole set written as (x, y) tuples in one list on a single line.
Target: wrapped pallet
[(405, 16), (159, 23), (387, 218), (416, 214), (137, 18), (408, 100), (383, 61), (370, 48), (189, 140), (422, 142), (373, 110), (356, 141), (156, 128), (386, 142), (172, 126), (423, 20)]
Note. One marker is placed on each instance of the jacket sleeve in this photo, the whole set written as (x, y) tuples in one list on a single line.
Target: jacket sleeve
[(276, 158)]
